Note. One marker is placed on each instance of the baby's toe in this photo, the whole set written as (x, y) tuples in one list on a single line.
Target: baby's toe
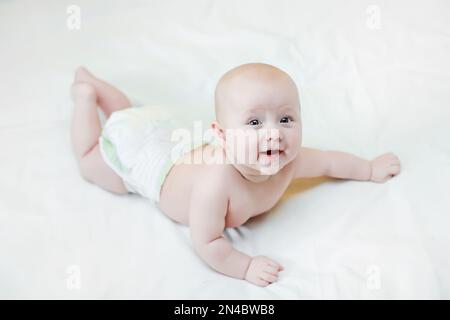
[(82, 74)]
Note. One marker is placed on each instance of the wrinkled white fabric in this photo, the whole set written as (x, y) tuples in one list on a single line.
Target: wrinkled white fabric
[(371, 80)]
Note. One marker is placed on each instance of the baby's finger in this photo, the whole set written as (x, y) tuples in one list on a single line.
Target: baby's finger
[(261, 282), (394, 169), (278, 266), (269, 277), (393, 159), (393, 155), (271, 269)]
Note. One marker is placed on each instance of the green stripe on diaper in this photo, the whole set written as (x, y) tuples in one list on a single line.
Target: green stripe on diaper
[(162, 177), (110, 152)]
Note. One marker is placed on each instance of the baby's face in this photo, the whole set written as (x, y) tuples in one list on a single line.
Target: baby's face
[(262, 124)]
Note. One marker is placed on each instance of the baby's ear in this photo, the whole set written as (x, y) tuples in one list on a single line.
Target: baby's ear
[(218, 131)]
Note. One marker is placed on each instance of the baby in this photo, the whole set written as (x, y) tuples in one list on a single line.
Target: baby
[(257, 109)]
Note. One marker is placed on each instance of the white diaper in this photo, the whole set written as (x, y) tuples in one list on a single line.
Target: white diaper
[(136, 143)]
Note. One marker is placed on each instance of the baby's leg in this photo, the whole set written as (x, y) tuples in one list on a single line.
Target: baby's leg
[(109, 98), (85, 132)]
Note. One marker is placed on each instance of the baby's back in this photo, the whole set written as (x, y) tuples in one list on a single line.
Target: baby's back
[(246, 199)]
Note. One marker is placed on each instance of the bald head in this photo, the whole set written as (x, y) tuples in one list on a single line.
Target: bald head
[(252, 83)]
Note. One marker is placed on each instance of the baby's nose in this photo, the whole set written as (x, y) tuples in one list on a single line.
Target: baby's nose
[(272, 134)]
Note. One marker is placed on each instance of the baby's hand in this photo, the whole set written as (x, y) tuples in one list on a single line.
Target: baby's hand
[(263, 271), (384, 167)]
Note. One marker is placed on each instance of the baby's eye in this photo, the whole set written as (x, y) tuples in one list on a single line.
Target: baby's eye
[(254, 122), (285, 119)]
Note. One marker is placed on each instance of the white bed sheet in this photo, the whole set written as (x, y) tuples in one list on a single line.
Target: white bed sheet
[(367, 85)]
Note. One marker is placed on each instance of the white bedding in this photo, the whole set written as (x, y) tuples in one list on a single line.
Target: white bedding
[(374, 77)]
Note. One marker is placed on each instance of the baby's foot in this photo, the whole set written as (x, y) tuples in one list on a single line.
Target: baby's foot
[(83, 75), (81, 91)]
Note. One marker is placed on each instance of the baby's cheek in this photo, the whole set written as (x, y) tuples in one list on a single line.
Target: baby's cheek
[(293, 147), (252, 152), (243, 149)]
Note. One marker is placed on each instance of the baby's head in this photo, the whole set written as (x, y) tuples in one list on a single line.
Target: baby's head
[(261, 103)]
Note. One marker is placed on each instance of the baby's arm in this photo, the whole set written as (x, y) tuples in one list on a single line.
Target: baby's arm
[(313, 163), (207, 214)]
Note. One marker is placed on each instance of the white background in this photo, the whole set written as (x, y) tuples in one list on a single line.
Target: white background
[(374, 76)]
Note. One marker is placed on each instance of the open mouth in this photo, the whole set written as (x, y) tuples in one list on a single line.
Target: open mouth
[(270, 157), (273, 152)]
